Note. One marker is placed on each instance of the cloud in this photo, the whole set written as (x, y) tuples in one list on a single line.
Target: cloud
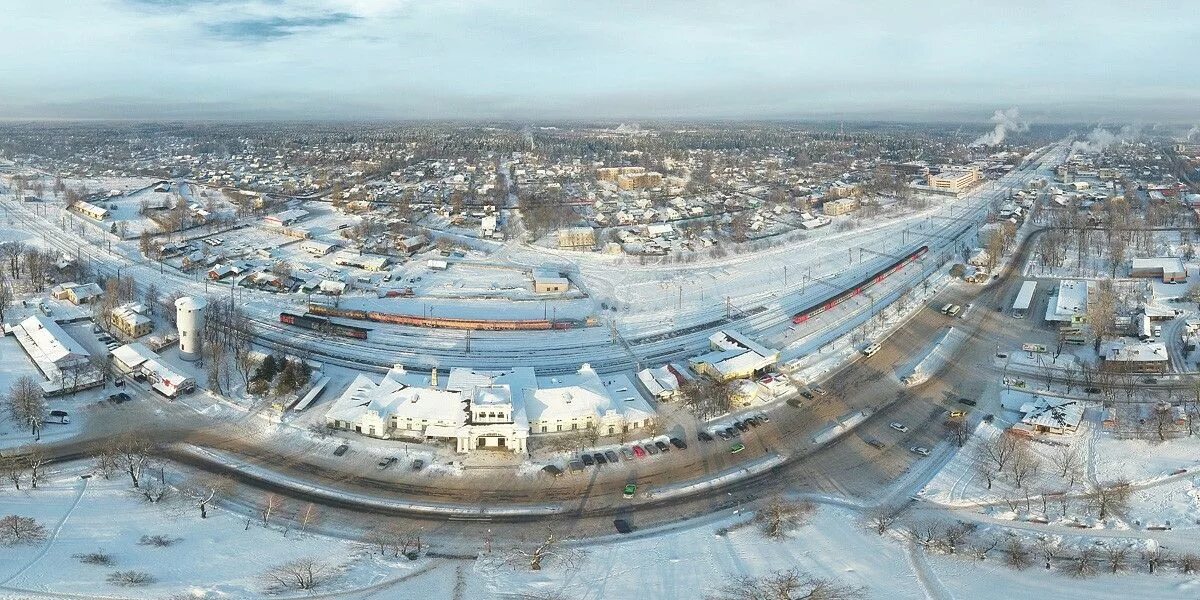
[(259, 29)]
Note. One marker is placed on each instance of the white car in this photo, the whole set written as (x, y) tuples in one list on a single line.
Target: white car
[(923, 451), (901, 427)]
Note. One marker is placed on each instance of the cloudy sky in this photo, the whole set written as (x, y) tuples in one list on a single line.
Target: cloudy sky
[(610, 59)]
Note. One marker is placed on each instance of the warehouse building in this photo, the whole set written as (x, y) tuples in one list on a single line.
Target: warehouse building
[(733, 356), (1168, 268), (954, 181)]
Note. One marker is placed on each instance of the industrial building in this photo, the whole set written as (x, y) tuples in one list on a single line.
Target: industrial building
[(1070, 302), (1168, 268), (89, 210)]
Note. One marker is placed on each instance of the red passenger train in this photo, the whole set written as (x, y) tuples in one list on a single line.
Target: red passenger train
[(446, 322), (858, 288)]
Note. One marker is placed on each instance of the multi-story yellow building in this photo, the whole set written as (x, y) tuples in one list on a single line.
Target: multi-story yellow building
[(955, 181), (842, 206)]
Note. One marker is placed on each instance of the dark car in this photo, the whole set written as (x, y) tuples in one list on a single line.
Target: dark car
[(341, 450), (724, 433), (419, 464), (704, 436), (741, 426), (678, 443), (752, 421), (807, 395), (600, 460), (124, 397), (622, 526), (553, 470), (611, 456), (967, 401), (119, 382), (1091, 390), (662, 446), (587, 459), (1150, 380)]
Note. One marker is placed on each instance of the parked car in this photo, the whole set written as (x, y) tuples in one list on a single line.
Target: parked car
[(751, 421), (651, 449), (1150, 380), (738, 447), (901, 427), (622, 526), (587, 459), (704, 436), (340, 450), (611, 456), (762, 417), (954, 414), (1091, 390), (638, 452), (919, 450), (575, 466), (741, 426), (807, 394), (662, 446), (724, 433), (387, 462), (124, 397), (627, 453), (874, 443), (678, 443), (967, 401), (818, 390), (600, 460), (419, 464), (58, 416), (630, 490), (550, 469)]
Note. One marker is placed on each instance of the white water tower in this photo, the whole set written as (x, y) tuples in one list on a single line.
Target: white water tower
[(189, 317)]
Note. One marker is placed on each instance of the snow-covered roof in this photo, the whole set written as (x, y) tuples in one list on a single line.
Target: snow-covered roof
[(1121, 350), (52, 342), (1070, 302)]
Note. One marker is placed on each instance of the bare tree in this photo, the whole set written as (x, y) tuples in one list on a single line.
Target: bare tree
[(35, 458), (271, 504), (957, 431), (1116, 557), (1154, 557), (780, 516), (983, 465), (1023, 463), (790, 584), (15, 529), (881, 518), (301, 574), (981, 549), (132, 455), (206, 491), (1016, 554), (1048, 548), (1001, 448), (1068, 463), (549, 548), (26, 405), (13, 468), (1188, 564), (1110, 499)]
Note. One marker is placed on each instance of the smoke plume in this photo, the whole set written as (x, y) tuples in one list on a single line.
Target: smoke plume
[(1007, 121)]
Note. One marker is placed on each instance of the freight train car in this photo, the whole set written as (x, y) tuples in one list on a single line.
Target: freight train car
[(323, 325), (858, 288), (446, 322)]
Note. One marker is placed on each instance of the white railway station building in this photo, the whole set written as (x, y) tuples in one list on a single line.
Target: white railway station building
[(495, 410)]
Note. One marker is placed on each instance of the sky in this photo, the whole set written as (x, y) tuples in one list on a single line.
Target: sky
[(598, 59)]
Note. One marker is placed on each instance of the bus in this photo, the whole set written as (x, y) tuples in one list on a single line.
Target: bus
[(1024, 299)]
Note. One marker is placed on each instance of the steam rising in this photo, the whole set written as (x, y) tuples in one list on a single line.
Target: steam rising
[(1100, 138), (1007, 121)]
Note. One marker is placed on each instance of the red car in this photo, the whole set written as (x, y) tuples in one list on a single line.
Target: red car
[(638, 452)]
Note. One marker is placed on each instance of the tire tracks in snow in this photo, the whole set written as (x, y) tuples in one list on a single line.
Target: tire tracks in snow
[(53, 536), (932, 586)]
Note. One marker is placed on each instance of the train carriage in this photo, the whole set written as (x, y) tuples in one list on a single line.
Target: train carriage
[(877, 277)]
